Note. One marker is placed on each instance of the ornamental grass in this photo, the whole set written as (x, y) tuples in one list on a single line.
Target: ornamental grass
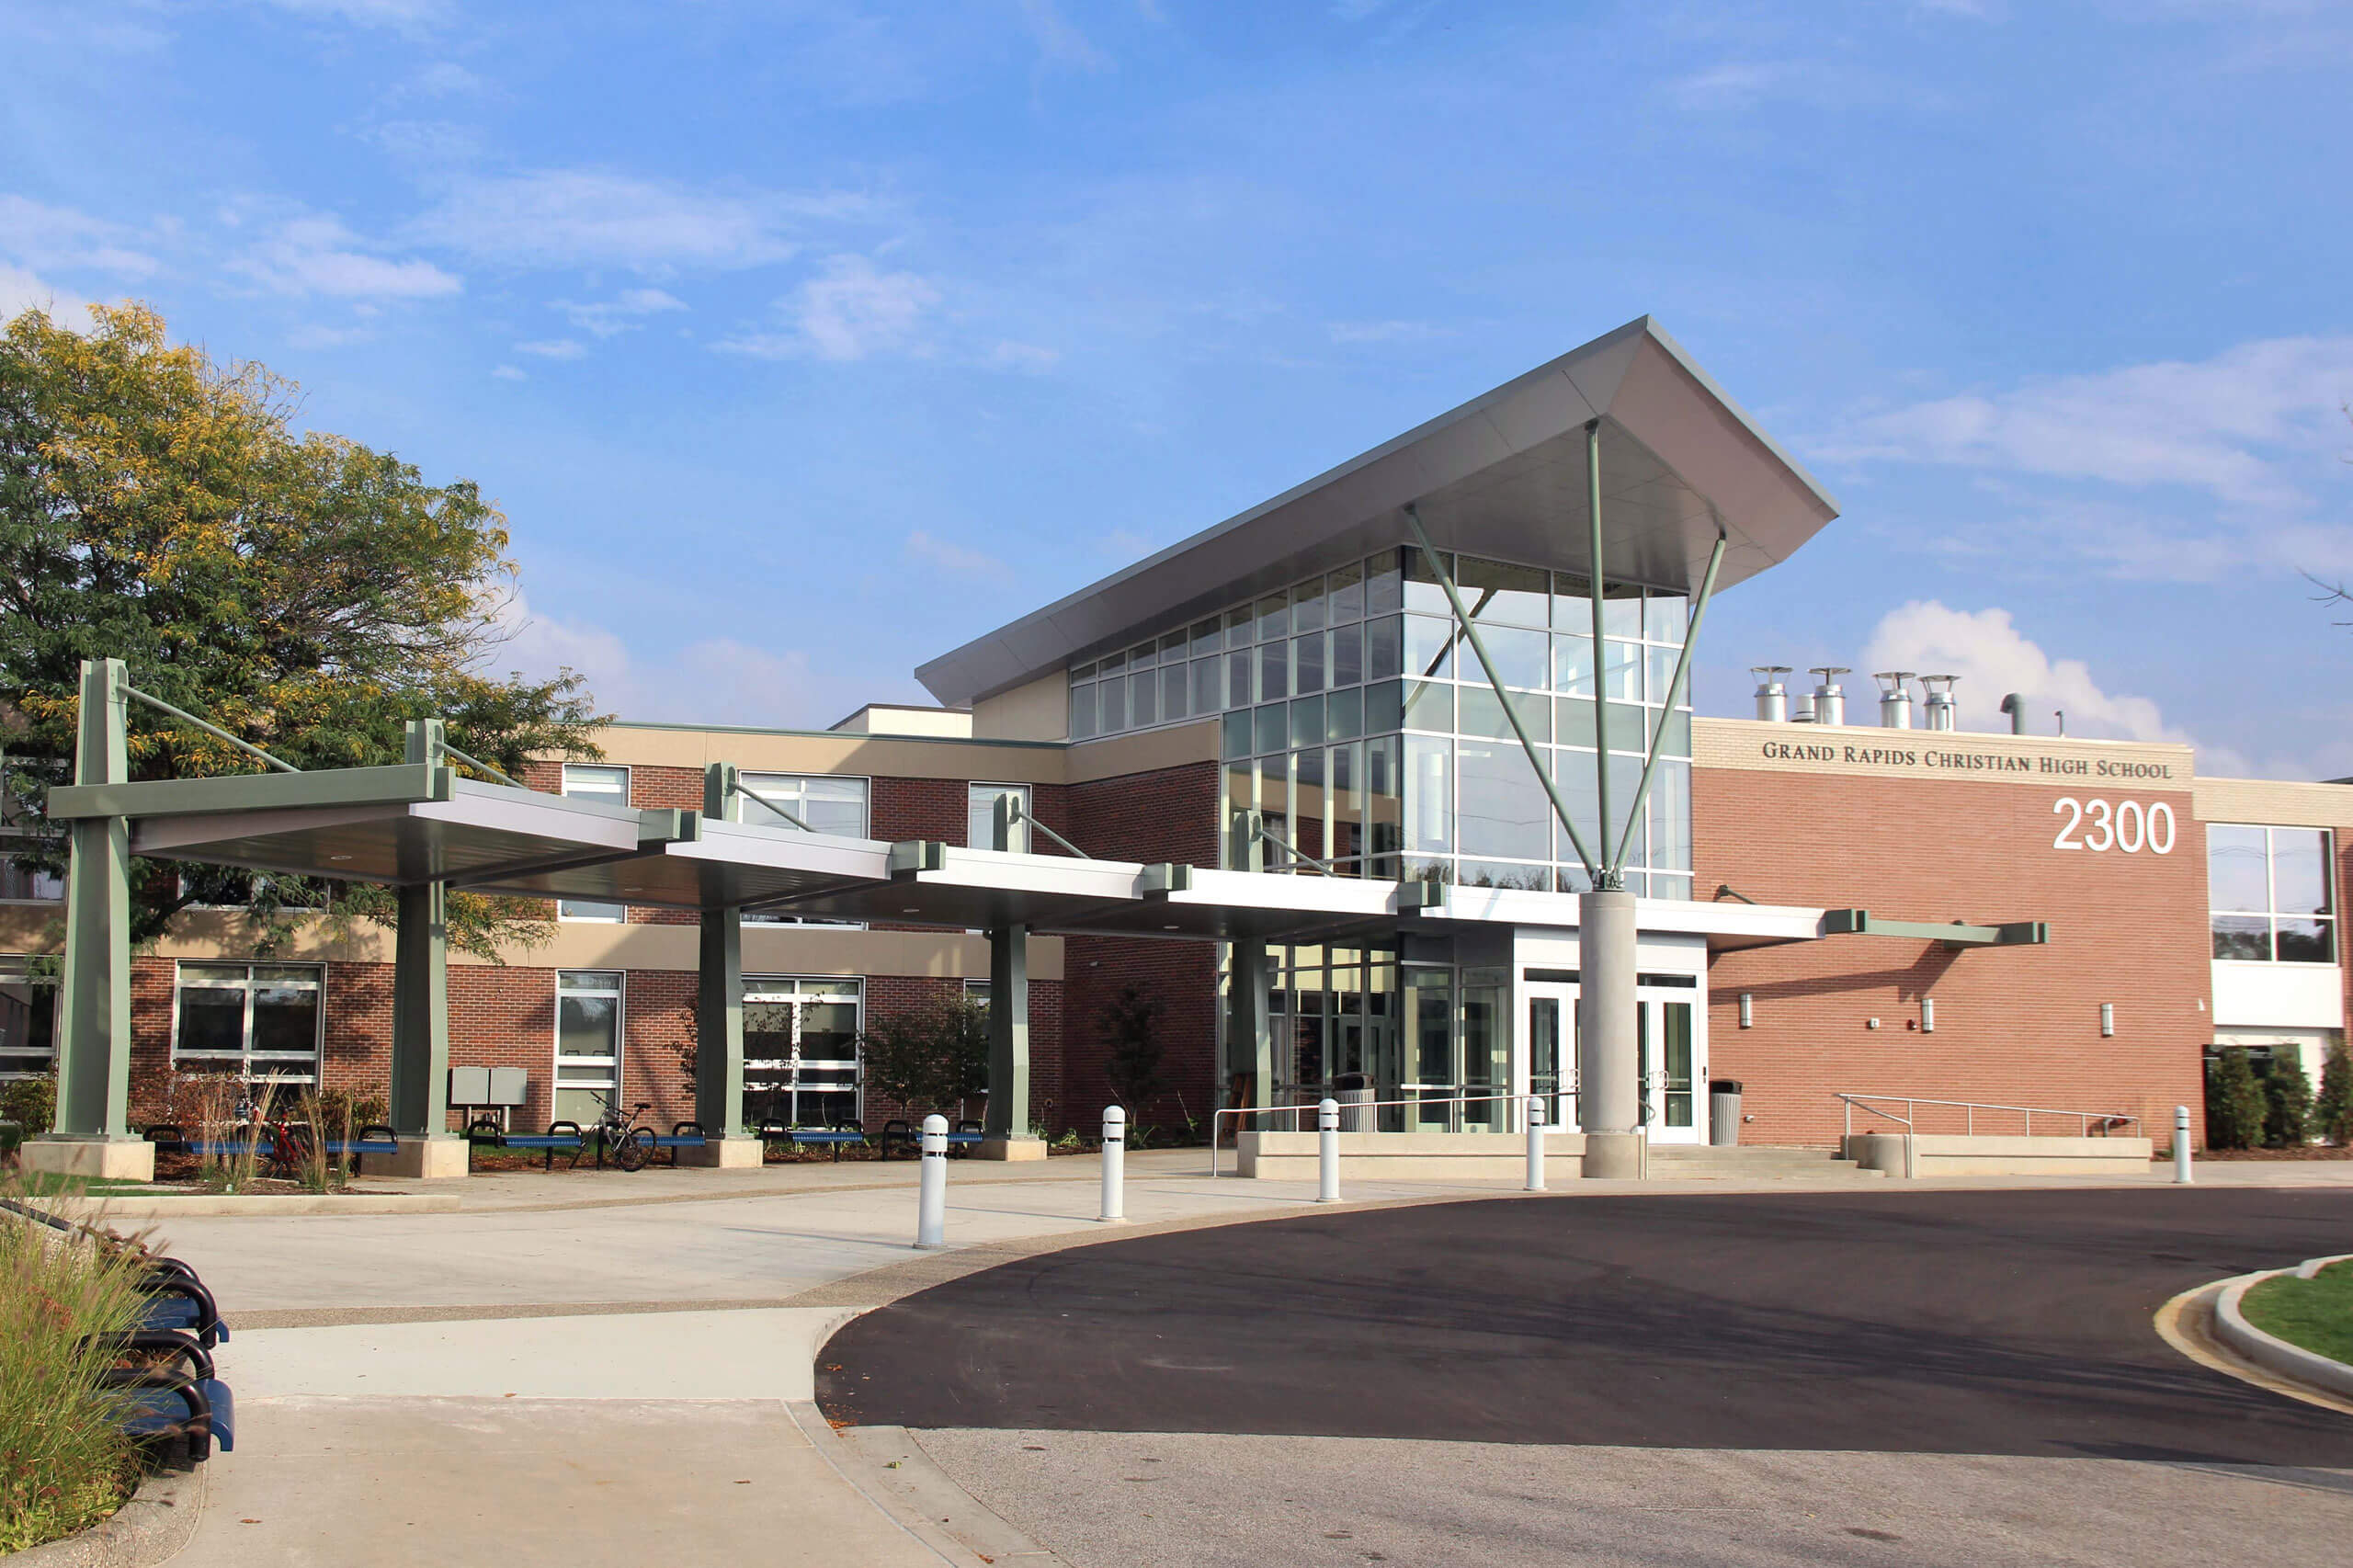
[(66, 1463)]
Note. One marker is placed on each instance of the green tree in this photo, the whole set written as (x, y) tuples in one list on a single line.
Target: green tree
[(304, 592), (2235, 1103), (2333, 1111), (932, 1058), (2288, 1103), (1130, 1024)]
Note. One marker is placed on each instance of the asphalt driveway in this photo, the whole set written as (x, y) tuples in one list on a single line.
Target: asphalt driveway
[(2008, 1323)]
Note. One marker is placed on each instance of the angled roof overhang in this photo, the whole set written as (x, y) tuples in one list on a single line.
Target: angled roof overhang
[(1503, 475)]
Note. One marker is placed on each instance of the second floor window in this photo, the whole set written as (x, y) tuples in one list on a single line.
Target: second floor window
[(980, 816), (2271, 893), (609, 785)]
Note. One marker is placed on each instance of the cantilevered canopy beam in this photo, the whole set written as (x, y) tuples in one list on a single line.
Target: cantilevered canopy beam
[(1864, 922)]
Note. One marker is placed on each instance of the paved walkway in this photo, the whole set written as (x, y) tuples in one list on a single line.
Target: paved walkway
[(584, 1367)]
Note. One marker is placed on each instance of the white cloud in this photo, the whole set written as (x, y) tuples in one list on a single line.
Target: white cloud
[(316, 336), (1737, 85), (40, 236), (1028, 357), (594, 218), (508, 373), (624, 313), (1060, 43), (715, 681), (2230, 425), (317, 254), (446, 78), (955, 559), (849, 312), (1993, 659), (554, 348), (21, 291), (404, 16)]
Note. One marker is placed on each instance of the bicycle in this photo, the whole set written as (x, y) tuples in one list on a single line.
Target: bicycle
[(632, 1143)]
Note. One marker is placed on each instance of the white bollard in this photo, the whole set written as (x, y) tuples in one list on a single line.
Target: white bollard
[(1327, 1150), (2181, 1146), (1535, 1143), (931, 1197), (1115, 1160)]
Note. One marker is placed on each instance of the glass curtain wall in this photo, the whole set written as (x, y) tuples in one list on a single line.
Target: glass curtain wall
[(1360, 723)]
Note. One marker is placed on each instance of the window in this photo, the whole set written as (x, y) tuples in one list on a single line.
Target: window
[(828, 804), (254, 1020), (610, 785), (801, 1054), (28, 1019), (980, 816), (587, 1042), (2271, 893), (18, 885)]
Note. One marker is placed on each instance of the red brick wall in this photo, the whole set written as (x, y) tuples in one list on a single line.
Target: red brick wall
[(2015, 1025)]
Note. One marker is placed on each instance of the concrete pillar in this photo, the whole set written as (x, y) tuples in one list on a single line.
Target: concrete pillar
[(92, 1131), (1005, 1132), (1609, 1107), (1249, 1039)]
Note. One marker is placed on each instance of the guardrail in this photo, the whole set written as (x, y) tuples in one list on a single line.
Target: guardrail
[(1346, 1106), (2109, 1120)]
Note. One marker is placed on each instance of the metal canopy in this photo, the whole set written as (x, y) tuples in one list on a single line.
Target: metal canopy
[(1503, 475), (981, 889), (1189, 902), (721, 865), (403, 825)]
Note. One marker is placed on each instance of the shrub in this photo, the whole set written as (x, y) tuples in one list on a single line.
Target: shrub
[(1132, 1029), (64, 1462), (30, 1103), (2287, 1108), (933, 1058), (2235, 1103), (2333, 1112)]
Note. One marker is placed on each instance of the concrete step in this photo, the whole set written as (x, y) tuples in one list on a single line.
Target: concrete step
[(1689, 1163)]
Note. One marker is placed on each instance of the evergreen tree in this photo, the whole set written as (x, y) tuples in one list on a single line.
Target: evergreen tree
[(2235, 1103), (2333, 1112), (2288, 1110), (1130, 1025)]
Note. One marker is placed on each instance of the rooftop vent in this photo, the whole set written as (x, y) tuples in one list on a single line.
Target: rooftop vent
[(1940, 713), (1895, 699), (1830, 698), (1772, 696)]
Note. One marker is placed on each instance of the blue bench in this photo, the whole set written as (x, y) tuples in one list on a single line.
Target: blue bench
[(901, 1134), (174, 1396), (683, 1135), (485, 1134)]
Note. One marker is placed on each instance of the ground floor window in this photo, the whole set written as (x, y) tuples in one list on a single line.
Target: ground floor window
[(256, 1020), (28, 1019), (800, 1053), (587, 1042)]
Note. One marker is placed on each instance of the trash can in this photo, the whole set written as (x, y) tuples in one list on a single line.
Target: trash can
[(1354, 1092), (1723, 1112)]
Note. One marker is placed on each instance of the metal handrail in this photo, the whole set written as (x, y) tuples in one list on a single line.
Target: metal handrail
[(1296, 1110), (2083, 1119)]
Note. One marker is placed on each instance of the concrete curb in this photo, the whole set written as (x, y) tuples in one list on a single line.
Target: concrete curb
[(2291, 1361), (166, 1205), (147, 1531), (887, 1467)]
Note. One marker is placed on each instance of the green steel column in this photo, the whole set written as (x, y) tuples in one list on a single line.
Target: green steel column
[(1008, 1112), (1249, 1039), (420, 1097), (94, 1028), (1608, 876), (719, 989)]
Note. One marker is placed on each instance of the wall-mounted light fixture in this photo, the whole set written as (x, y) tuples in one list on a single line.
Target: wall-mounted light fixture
[(2108, 1017), (1870, 1023), (1748, 1010), (1928, 1014)]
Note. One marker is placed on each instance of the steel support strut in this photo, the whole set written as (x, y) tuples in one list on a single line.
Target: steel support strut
[(1511, 709), (1610, 878)]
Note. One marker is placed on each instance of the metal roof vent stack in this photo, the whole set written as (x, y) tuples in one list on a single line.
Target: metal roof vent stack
[(1772, 696), (1940, 713), (1829, 697), (1894, 699), (2015, 705)]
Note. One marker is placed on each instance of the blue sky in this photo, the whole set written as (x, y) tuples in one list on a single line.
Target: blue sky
[(800, 341)]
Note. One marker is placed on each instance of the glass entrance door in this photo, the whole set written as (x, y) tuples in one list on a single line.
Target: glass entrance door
[(1552, 1050), (1670, 1061), (801, 1062)]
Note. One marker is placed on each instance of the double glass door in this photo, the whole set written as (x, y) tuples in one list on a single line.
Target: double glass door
[(1666, 1050), (800, 1055)]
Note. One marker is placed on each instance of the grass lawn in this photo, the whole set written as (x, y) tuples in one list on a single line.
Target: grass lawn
[(2315, 1314)]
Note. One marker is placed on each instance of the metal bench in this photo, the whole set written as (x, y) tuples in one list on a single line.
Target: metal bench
[(487, 1133), (172, 1394), (900, 1133), (682, 1135), (839, 1138)]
